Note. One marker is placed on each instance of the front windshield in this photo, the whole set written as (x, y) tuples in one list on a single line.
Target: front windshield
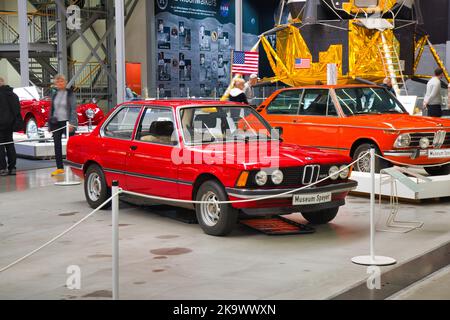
[(223, 124), (367, 100)]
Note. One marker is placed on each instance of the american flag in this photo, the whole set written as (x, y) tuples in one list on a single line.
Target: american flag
[(302, 63), (245, 62)]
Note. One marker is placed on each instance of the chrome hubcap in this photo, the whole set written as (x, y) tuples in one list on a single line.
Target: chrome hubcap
[(210, 209), (94, 186), (31, 129), (364, 163)]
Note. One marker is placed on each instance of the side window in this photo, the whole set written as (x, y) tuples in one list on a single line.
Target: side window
[(121, 126), (317, 102), (157, 126), (286, 102)]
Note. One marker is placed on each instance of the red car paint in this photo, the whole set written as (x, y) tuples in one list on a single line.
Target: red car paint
[(148, 168), (40, 111)]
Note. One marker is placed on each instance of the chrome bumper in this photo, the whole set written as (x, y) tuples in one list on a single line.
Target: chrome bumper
[(258, 193)]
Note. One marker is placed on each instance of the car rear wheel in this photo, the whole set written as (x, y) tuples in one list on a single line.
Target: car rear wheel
[(95, 188), (363, 164), (438, 171), (215, 219), (321, 216), (31, 128)]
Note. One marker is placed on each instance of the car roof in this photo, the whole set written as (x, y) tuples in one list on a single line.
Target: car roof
[(338, 86), (177, 103)]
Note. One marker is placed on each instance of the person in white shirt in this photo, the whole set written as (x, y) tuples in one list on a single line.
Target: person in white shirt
[(432, 102), (248, 89)]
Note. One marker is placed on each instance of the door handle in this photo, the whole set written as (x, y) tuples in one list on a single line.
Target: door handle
[(133, 148)]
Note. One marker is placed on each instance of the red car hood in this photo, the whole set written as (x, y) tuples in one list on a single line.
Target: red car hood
[(254, 155), (398, 122)]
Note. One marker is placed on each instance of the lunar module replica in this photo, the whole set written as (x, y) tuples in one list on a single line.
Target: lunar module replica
[(367, 40)]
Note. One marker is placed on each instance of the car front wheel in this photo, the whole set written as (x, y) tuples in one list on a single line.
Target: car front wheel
[(438, 171), (363, 164), (321, 216), (215, 219), (31, 128), (95, 188)]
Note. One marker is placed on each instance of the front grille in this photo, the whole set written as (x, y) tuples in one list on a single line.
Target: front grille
[(293, 176), (415, 138)]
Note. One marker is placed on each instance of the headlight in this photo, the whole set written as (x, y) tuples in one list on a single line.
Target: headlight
[(277, 177), (424, 142), (345, 172), (261, 178), (333, 173), (403, 141)]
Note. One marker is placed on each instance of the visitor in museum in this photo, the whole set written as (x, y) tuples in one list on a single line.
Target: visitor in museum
[(237, 94), (249, 89), (10, 121), (432, 102), (387, 84), (128, 93), (63, 109)]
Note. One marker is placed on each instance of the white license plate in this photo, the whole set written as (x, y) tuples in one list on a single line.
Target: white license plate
[(439, 153), (311, 198)]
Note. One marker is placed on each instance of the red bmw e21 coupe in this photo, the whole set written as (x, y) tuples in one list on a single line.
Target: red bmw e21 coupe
[(211, 152)]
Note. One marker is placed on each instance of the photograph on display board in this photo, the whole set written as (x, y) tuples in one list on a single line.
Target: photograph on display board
[(222, 69), (182, 90), (204, 38), (163, 35), (164, 67), (205, 91), (224, 42), (205, 68), (185, 68), (164, 92), (184, 36)]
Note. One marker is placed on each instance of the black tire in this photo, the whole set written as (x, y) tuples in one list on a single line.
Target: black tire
[(321, 216), (224, 222), (438, 171), (364, 164), (102, 194)]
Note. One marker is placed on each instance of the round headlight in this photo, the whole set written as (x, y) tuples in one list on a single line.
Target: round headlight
[(345, 172), (424, 142), (261, 178), (333, 173), (403, 141), (277, 177)]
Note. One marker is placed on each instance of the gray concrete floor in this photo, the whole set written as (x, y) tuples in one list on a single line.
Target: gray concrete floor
[(164, 259)]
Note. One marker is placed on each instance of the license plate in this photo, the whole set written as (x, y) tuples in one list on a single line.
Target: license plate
[(311, 198), (439, 153)]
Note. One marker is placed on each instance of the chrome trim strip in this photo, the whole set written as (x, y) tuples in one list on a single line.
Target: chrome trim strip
[(147, 176)]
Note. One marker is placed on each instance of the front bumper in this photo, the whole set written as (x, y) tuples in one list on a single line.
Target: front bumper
[(281, 203)]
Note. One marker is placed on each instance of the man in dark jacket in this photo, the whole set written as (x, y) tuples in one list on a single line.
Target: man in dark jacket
[(63, 110), (9, 113)]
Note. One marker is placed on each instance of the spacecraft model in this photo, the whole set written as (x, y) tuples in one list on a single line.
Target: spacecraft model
[(368, 40)]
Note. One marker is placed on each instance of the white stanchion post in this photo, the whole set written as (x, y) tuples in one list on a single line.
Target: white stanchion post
[(115, 240), (67, 171), (372, 259)]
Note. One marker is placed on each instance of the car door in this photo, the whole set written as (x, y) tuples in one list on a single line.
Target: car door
[(282, 112), (115, 142), (150, 166), (317, 122)]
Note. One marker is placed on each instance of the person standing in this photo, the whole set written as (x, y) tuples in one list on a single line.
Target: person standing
[(10, 121), (249, 89), (433, 99), (63, 109)]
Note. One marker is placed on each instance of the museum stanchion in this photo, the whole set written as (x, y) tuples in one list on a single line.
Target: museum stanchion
[(372, 259), (67, 171), (115, 239)]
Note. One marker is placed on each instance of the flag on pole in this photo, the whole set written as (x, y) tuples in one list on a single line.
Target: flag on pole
[(245, 62), (302, 63)]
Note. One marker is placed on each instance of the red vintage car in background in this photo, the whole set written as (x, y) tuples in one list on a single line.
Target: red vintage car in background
[(35, 111), (205, 151)]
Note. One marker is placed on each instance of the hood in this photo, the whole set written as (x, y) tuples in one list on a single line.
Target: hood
[(398, 122), (235, 92), (255, 155)]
